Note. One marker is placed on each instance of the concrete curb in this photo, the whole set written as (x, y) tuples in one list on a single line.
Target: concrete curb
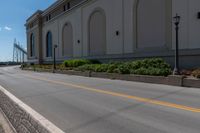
[(23, 118), (9, 126), (170, 80), (191, 82)]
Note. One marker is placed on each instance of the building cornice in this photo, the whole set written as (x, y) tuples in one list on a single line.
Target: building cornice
[(34, 16), (50, 9), (46, 11), (53, 6)]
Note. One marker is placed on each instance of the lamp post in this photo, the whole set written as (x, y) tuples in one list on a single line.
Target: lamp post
[(176, 22), (54, 57)]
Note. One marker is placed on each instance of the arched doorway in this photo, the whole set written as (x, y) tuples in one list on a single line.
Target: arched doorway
[(49, 44), (97, 34), (67, 45)]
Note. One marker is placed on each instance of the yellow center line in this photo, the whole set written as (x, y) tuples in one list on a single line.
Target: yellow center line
[(140, 99)]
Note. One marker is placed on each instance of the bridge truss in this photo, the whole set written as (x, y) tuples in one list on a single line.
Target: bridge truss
[(19, 53)]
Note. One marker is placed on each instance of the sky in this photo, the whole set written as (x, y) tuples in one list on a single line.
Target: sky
[(13, 15)]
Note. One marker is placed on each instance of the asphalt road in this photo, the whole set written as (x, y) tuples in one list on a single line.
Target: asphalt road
[(91, 105)]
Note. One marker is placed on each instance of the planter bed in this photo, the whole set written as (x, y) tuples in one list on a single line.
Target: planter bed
[(170, 80)]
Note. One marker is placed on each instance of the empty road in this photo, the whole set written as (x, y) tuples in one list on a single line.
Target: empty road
[(91, 105)]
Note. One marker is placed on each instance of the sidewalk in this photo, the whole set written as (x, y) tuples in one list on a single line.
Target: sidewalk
[(4, 124)]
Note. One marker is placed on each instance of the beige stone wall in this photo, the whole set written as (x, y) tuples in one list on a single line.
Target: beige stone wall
[(67, 40), (114, 22), (190, 24), (75, 19), (141, 27), (151, 23)]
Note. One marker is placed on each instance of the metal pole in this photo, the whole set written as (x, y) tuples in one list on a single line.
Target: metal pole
[(20, 53), (17, 56), (54, 57), (22, 57), (13, 53), (176, 68)]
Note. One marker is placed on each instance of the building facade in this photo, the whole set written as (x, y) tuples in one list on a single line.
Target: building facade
[(114, 29)]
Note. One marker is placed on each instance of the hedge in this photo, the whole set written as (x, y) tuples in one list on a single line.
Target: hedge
[(155, 66), (79, 62), (76, 63), (152, 66)]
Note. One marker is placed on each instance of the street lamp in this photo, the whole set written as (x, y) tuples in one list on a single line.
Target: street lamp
[(176, 22), (54, 57)]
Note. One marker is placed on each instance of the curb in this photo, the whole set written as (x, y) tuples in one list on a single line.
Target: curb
[(22, 117), (191, 82), (170, 80), (181, 81), (8, 122)]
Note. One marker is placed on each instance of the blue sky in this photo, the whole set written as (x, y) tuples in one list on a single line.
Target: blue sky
[(13, 15)]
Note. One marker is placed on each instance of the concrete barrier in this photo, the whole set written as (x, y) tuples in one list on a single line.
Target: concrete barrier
[(23, 118), (175, 80), (70, 72), (191, 82), (169, 80)]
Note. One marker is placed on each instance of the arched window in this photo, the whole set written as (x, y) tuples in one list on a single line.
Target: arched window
[(97, 33), (67, 37), (32, 45), (49, 44)]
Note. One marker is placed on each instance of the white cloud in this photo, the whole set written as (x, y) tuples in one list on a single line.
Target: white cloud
[(7, 28), (0, 28)]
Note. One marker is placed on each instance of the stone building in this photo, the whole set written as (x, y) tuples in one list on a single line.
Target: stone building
[(114, 29)]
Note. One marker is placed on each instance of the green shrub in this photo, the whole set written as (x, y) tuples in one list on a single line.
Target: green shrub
[(139, 71), (153, 66), (136, 64), (93, 68), (153, 62), (112, 68), (79, 62), (101, 68), (87, 67), (76, 62), (125, 68), (62, 67), (152, 71), (156, 67), (196, 73)]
